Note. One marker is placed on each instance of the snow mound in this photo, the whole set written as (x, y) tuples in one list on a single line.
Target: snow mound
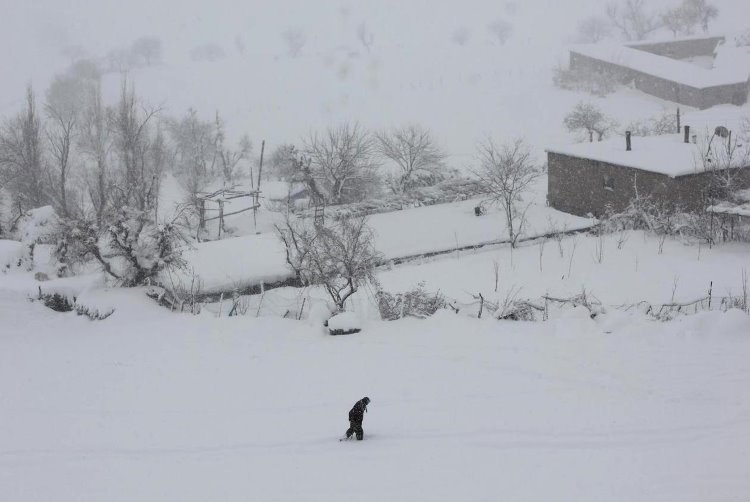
[(11, 253), (37, 225), (344, 323)]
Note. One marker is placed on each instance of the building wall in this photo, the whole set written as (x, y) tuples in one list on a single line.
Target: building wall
[(676, 92), (582, 186), (681, 49)]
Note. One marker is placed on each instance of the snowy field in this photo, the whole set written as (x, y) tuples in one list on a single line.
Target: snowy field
[(148, 405), (152, 405)]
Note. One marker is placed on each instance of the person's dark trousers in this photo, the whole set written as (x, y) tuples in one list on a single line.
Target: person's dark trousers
[(355, 428)]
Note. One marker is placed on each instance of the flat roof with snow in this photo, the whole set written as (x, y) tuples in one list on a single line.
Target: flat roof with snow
[(666, 154), (663, 67)]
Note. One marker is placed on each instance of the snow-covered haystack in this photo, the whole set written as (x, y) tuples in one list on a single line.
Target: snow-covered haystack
[(344, 323)]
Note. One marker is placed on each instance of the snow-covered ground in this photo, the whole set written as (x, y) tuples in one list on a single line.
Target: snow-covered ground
[(246, 261), (149, 405), (153, 405)]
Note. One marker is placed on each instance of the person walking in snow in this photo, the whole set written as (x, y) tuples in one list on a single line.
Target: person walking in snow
[(356, 416)]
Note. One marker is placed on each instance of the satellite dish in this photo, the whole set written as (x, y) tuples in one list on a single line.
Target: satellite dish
[(721, 132)]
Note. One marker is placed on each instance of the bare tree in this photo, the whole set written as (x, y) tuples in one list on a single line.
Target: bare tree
[(678, 21), (195, 149), (588, 117), (119, 60), (631, 18), (95, 143), (22, 164), (230, 158), (281, 162), (461, 35), (420, 161), (593, 29), (343, 162), (295, 40), (501, 30), (146, 51), (506, 171), (339, 256), (365, 36), (702, 11), (139, 150), (61, 132)]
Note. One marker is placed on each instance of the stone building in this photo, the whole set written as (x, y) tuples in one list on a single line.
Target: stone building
[(664, 70), (589, 178)]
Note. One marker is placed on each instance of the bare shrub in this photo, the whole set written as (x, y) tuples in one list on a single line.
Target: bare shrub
[(413, 303)]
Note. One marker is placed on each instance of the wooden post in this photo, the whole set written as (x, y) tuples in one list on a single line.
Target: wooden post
[(256, 197), (202, 213), (221, 218), (678, 120)]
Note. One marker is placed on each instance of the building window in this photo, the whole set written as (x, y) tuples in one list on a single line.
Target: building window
[(609, 183)]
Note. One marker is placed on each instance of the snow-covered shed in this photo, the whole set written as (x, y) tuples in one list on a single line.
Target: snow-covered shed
[(589, 178), (664, 69)]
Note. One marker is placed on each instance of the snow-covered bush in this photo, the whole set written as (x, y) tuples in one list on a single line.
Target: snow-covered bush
[(413, 303), (344, 323), (644, 213), (38, 226), (131, 249)]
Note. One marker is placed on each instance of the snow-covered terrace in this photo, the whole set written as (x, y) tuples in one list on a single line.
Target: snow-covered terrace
[(663, 67)]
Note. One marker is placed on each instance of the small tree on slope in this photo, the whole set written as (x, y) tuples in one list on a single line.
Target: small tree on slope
[(506, 171), (339, 256)]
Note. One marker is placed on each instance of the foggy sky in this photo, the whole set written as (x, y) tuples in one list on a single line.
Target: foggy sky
[(35, 32)]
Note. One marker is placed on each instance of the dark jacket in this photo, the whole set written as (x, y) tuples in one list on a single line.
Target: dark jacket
[(357, 413)]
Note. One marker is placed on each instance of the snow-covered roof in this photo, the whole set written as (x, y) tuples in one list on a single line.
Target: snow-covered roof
[(666, 154), (664, 67), (281, 190), (668, 39)]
